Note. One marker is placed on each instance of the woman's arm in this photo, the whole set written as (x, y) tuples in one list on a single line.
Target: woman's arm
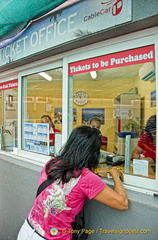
[(137, 155), (136, 152), (116, 198)]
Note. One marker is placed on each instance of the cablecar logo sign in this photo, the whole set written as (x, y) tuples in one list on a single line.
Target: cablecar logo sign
[(116, 6)]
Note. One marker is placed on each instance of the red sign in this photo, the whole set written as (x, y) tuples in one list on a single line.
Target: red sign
[(9, 85), (129, 57)]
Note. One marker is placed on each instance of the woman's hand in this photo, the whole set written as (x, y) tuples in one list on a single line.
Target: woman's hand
[(116, 198), (150, 160), (116, 172)]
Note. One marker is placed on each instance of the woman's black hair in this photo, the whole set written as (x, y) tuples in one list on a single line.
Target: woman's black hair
[(47, 116), (151, 126), (82, 150)]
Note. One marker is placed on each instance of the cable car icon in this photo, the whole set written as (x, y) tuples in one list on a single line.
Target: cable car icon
[(116, 8)]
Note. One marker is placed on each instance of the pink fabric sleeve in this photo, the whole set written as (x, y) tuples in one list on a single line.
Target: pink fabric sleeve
[(91, 185), (43, 175)]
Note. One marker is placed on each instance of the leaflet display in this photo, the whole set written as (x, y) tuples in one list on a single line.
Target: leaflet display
[(36, 137)]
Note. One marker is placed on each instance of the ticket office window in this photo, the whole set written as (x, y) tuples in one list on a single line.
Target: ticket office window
[(9, 113), (120, 90), (42, 111)]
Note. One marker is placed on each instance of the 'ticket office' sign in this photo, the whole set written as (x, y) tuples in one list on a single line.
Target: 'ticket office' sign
[(81, 19)]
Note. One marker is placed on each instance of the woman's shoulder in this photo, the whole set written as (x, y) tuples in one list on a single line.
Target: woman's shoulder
[(144, 137), (43, 175), (90, 183), (88, 174), (56, 130), (86, 171)]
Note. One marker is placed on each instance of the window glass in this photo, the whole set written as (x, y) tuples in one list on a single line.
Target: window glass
[(117, 94), (9, 113), (42, 112)]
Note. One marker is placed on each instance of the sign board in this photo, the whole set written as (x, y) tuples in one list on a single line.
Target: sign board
[(79, 20), (140, 167), (9, 85), (120, 59)]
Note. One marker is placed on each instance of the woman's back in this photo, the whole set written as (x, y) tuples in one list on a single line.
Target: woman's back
[(56, 207)]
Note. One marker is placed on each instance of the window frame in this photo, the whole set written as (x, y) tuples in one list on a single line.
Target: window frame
[(131, 41), (36, 157)]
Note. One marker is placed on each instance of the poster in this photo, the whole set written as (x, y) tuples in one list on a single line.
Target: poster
[(140, 167), (10, 103), (88, 113), (36, 137), (58, 115)]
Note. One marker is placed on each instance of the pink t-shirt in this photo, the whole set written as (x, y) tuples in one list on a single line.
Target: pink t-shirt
[(56, 207)]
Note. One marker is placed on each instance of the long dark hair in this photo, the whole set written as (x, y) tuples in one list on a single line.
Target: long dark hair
[(82, 150)]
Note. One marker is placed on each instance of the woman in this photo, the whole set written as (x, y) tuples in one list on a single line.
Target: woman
[(47, 119), (146, 147), (56, 206)]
